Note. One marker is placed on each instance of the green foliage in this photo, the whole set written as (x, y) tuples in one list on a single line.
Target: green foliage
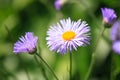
[(21, 16)]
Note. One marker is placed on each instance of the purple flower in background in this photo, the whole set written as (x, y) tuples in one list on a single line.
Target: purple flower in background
[(26, 44), (115, 36), (68, 35), (115, 31), (59, 3), (116, 47), (109, 15)]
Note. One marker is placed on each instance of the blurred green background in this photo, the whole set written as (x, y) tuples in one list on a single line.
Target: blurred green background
[(20, 16)]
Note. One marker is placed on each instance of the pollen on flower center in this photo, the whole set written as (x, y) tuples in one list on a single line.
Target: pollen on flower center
[(68, 35)]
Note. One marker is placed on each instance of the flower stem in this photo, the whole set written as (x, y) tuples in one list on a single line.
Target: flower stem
[(70, 66), (91, 67), (42, 67), (100, 35), (47, 66), (93, 56)]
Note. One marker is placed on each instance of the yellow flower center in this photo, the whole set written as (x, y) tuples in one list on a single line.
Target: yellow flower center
[(68, 35)]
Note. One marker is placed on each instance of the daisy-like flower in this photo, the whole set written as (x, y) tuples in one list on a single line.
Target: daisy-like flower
[(68, 35), (115, 36), (109, 15), (26, 44), (59, 3)]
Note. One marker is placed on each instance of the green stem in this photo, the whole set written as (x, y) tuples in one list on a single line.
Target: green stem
[(70, 66), (100, 35), (42, 67), (93, 56), (47, 66), (91, 67)]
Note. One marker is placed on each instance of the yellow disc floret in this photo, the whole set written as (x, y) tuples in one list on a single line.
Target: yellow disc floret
[(68, 35)]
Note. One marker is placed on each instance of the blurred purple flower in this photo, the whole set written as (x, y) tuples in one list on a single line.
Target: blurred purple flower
[(115, 36), (68, 35), (116, 47), (115, 31), (26, 44), (109, 15), (59, 3)]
